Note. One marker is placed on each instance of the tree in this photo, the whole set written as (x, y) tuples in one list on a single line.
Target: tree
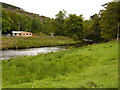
[(7, 22), (60, 17), (49, 26), (87, 24), (95, 25), (15, 18), (6, 25), (24, 23), (59, 22), (73, 26), (36, 25), (110, 17)]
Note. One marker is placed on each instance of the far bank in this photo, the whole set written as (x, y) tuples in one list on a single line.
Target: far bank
[(34, 42)]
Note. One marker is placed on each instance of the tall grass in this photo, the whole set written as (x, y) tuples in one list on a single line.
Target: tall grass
[(28, 42), (85, 67)]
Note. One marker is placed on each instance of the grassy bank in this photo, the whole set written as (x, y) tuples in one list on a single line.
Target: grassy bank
[(28, 42), (93, 66)]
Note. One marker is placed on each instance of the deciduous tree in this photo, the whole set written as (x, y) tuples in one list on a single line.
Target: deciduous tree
[(74, 26), (110, 17), (60, 18)]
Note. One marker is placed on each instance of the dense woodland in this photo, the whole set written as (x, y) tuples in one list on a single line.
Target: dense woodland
[(103, 25)]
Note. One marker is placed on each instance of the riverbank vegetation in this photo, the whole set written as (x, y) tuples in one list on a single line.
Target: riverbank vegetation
[(36, 41), (92, 66), (99, 27)]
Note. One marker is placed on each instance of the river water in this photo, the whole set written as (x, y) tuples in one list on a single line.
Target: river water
[(7, 54)]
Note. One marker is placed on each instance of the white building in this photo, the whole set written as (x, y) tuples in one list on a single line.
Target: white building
[(21, 34)]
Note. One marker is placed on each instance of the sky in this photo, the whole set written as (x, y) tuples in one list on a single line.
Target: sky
[(50, 8)]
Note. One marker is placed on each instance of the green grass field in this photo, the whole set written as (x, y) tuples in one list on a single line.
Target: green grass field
[(31, 42), (92, 66)]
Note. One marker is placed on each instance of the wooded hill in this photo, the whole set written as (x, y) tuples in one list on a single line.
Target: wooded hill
[(15, 18), (21, 11), (103, 25)]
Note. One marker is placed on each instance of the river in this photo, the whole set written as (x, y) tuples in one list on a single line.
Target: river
[(7, 54)]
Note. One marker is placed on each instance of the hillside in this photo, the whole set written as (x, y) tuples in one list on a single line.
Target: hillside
[(16, 19), (92, 66), (19, 10)]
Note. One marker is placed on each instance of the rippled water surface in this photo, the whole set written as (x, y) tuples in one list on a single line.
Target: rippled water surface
[(7, 54)]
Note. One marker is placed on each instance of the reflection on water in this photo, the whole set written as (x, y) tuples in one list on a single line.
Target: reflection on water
[(7, 54)]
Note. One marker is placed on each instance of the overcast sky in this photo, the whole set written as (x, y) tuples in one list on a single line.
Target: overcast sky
[(50, 8)]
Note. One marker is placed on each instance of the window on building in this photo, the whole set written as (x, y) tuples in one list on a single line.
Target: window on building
[(23, 34)]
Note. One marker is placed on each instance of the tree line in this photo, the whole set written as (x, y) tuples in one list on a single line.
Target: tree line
[(106, 22), (100, 26)]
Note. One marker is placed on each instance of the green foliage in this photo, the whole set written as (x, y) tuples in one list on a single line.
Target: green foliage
[(59, 22), (55, 25), (93, 66), (95, 25), (36, 25), (6, 25), (6, 22), (87, 24), (25, 23), (92, 29), (105, 23), (49, 26), (109, 20), (15, 21), (61, 16), (74, 26), (15, 17)]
